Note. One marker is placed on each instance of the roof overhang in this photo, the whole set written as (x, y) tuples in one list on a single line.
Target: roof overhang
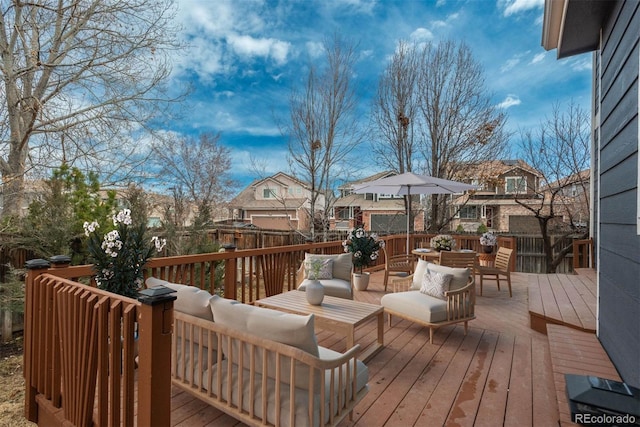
[(573, 26)]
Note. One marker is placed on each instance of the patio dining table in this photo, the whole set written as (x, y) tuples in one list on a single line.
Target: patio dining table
[(432, 255)]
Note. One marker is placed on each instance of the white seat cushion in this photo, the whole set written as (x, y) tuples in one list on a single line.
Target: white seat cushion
[(301, 396), (332, 287), (416, 305)]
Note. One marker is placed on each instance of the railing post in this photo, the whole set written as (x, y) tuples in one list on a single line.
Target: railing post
[(34, 267), (230, 274), (155, 326)]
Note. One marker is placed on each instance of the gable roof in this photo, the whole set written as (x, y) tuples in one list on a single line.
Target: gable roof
[(494, 168)]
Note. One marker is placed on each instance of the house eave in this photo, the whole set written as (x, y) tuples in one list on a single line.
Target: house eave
[(573, 26)]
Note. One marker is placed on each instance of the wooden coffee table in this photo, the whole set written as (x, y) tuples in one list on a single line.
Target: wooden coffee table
[(335, 314)]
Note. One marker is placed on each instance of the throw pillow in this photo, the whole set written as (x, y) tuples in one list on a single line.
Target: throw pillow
[(325, 271), (460, 277), (435, 284)]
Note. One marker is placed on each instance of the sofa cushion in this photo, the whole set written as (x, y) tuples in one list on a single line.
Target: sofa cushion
[(332, 287), (290, 329), (416, 305), (191, 300), (325, 270), (435, 284), (342, 264), (460, 277), (418, 274)]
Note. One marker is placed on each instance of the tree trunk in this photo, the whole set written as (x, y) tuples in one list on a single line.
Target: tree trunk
[(12, 194)]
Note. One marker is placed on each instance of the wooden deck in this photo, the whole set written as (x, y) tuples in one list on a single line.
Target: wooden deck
[(499, 374), (563, 300), (502, 373)]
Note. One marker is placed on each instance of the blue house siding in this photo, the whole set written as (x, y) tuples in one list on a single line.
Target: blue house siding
[(618, 241)]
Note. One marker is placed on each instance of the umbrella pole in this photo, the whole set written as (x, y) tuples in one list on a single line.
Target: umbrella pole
[(408, 215)]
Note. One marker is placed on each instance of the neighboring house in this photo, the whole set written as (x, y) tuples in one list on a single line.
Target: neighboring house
[(612, 30), (383, 213), (572, 199), (494, 204), (280, 202)]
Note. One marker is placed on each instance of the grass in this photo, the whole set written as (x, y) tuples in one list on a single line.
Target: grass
[(12, 385)]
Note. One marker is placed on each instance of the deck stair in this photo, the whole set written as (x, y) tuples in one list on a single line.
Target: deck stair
[(575, 352), (563, 299), (564, 307)]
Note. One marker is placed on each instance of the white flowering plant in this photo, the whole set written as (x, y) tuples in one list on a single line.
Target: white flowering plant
[(488, 239), (119, 255), (443, 242), (364, 247)]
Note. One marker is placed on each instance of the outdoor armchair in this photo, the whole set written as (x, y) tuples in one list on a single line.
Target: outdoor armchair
[(410, 301)]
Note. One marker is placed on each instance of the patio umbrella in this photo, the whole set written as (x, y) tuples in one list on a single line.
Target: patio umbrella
[(409, 183)]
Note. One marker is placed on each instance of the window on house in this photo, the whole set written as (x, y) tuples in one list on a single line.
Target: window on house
[(343, 212), (515, 184), (469, 212), (368, 196), (269, 193)]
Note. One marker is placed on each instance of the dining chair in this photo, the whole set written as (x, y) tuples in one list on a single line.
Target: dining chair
[(396, 265), (501, 267), (459, 260)]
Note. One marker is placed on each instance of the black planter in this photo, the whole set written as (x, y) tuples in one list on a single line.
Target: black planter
[(487, 249)]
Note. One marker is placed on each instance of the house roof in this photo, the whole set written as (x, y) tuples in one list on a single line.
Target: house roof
[(573, 26), (369, 178), (576, 178), (494, 168)]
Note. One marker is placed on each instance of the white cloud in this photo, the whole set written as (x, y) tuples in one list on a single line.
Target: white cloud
[(581, 64), (315, 49), (539, 57), (509, 64), (512, 7), (249, 46), (509, 101), (421, 35)]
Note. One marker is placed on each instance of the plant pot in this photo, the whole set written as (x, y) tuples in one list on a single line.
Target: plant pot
[(487, 249), (361, 281), (314, 292)]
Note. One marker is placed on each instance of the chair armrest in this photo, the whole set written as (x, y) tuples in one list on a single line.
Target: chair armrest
[(402, 285), (470, 286)]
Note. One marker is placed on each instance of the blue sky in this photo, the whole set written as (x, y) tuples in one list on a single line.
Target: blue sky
[(244, 57)]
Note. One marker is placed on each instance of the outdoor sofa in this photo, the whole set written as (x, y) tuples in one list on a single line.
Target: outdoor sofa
[(252, 362)]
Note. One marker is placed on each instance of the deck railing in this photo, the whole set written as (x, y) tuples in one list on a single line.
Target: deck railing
[(583, 254), (81, 348), (82, 344)]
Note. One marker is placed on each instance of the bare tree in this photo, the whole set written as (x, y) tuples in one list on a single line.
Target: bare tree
[(560, 149), (77, 77), (458, 120), (197, 168), (395, 108), (323, 129)]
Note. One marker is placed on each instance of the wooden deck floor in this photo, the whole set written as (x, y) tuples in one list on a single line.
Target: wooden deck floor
[(499, 374), (563, 300)]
